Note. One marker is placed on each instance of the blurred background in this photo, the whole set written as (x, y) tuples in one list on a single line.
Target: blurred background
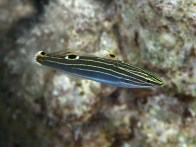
[(40, 107)]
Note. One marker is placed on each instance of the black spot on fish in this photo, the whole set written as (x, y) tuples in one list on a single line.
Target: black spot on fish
[(43, 53), (112, 56)]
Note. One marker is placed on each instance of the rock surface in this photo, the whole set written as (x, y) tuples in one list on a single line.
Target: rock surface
[(43, 107)]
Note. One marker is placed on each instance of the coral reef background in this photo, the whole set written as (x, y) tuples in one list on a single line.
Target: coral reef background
[(43, 107)]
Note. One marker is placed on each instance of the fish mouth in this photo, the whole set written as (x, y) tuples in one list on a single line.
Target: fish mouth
[(38, 57)]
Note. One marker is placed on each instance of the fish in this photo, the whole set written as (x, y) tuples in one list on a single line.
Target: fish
[(105, 70)]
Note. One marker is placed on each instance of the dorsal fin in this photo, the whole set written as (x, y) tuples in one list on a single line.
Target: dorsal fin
[(111, 55), (107, 54), (103, 54), (59, 52), (65, 52)]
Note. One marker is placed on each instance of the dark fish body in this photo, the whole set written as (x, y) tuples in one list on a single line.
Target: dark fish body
[(104, 70)]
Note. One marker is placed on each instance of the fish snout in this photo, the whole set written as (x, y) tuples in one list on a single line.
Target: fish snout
[(39, 56)]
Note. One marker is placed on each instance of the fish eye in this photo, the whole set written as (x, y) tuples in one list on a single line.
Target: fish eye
[(72, 57), (42, 53)]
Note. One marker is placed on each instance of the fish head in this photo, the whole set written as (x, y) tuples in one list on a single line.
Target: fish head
[(50, 58)]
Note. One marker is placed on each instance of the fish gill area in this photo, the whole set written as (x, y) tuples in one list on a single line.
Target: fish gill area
[(46, 108)]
